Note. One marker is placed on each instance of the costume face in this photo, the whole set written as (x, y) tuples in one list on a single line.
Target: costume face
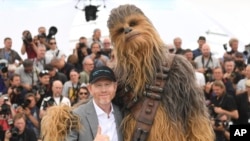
[(134, 34), (137, 45), (103, 91)]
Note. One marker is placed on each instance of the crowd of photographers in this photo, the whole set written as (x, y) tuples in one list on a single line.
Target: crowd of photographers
[(44, 78), (225, 81)]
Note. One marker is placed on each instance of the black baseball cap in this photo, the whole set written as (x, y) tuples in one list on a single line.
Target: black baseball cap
[(101, 72)]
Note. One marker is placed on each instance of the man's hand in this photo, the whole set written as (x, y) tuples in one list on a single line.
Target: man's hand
[(27, 112), (99, 136), (218, 110), (7, 135), (27, 87)]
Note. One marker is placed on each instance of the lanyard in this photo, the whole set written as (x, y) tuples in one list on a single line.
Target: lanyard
[(210, 59)]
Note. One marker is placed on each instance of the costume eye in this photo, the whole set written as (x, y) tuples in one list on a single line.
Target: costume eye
[(132, 23)]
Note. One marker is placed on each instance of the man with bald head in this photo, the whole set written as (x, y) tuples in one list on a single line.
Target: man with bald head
[(206, 62)]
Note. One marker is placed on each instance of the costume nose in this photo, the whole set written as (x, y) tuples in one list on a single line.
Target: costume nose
[(127, 30)]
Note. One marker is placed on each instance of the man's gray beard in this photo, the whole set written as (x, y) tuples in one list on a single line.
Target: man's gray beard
[(57, 95)]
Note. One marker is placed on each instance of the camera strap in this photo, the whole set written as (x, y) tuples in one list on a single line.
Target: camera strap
[(32, 76), (60, 101), (203, 61), (57, 53), (73, 95)]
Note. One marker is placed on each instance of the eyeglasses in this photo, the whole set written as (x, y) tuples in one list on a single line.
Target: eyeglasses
[(53, 43), (81, 93), (106, 43), (89, 64)]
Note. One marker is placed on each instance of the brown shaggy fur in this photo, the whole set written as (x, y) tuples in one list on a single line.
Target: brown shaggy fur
[(182, 115), (57, 122)]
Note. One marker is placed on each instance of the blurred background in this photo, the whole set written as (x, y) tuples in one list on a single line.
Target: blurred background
[(216, 20)]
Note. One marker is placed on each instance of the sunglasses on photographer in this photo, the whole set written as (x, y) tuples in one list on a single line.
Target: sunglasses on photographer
[(81, 93)]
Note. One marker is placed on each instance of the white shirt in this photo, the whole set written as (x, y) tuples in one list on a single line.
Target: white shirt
[(200, 78), (107, 122), (64, 101), (54, 54)]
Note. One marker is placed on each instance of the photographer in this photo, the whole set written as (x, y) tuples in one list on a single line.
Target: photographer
[(28, 45), (222, 126), (81, 51), (19, 132), (96, 55), (56, 99), (6, 115), (234, 45), (9, 54), (54, 51), (222, 104), (31, 111), (71, 87), (16, 92), (206, 62), (43, 87)]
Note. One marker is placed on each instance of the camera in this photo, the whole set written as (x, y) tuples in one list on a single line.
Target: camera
[(14, 131), (52, 32), (4, 65), (26, 103), (5, 108), (18, 89), (27, 37), (98, 54), (208, 75), (225, 48), (49, 101), (225, 124), (38, 89)]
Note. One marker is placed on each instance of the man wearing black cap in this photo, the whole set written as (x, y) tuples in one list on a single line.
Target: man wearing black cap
[(101, 119), (201, 41), (43, 88)]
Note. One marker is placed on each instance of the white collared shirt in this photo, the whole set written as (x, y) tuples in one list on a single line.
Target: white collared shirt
[(107, 122), (54, 54)]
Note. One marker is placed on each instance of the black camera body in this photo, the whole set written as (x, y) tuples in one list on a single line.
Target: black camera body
[(27, 38), (5, 108), (26, 103), (208, 74), (218, 122), (98, 54), (18, 89), (4, 67), (14, 132), (39, 89), (49, 101)]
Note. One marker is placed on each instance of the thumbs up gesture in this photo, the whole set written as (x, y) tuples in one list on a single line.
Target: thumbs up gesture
[(99, 136)]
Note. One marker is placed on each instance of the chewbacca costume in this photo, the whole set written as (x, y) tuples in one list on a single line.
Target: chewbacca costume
[(154, 84)]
